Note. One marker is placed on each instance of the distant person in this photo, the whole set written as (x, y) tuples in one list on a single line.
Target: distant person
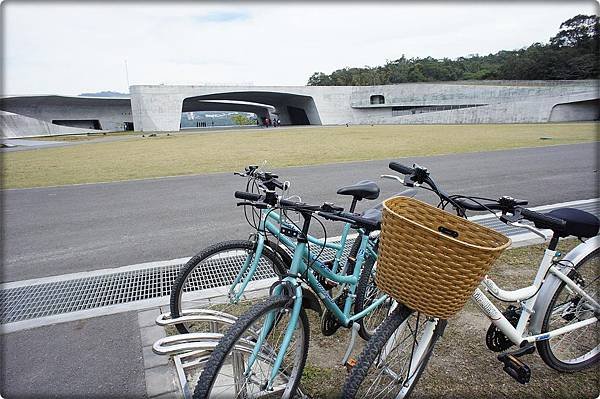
[(212, 123), (278, 122)]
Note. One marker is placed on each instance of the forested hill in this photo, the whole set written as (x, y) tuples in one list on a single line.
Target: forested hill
[(571, 54)]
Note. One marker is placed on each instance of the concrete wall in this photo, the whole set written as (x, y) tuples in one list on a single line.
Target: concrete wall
[(15, 126), (159, 107), (155, 107), (110, 112)]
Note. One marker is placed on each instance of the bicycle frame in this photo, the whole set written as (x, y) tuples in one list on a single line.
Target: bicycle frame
[(299, 268), (251, 263), (528, 298)]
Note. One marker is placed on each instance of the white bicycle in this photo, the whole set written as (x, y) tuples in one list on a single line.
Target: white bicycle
[(557, 314)]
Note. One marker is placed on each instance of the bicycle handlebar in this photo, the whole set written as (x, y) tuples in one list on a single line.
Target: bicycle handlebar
[(248, 196), (327, 210), (505, 204), (346, 217), (267, 179), (543, 221), (398, 167)]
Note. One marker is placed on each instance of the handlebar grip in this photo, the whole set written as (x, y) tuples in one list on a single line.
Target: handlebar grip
[(367, 223), (288, 203), (247, 196), (543, 221), (398, 167)]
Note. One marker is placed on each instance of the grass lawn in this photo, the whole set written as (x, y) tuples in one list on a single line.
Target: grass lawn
[(84, 137), (182, 154)]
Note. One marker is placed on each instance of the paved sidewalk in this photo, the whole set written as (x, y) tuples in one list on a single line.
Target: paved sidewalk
[(99, 357)]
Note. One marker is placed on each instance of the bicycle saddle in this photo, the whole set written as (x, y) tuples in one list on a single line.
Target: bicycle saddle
[(363, 189), (579, 223)]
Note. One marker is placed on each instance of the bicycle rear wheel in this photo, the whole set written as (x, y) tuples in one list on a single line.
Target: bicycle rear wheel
[(578, 349), (395, 356), (367, 292), (227, 373), (217, 267)]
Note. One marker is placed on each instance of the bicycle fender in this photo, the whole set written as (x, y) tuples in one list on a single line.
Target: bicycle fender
[(552, 282), (311, 301), (283, 254)]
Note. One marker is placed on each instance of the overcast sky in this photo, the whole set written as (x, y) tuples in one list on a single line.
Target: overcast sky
[(70, 48)]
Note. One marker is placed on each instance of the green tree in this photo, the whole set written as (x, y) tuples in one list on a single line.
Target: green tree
[(579, 31), (571, 54), (240, 119)]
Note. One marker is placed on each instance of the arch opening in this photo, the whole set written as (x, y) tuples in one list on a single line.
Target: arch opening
[(281, 108)]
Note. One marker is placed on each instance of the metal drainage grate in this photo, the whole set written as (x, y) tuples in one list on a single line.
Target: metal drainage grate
[(49, 299), (59, 297)]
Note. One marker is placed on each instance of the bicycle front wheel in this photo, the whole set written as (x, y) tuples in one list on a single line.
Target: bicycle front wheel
[(216, 267), (228, 373), (580, 348), (394, 358)]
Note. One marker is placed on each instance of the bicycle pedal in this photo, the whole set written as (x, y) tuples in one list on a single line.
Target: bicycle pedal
[(350, 364), (516, 368)]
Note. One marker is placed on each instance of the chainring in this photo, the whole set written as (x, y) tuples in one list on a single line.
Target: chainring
[(494, 338), (329, 323)]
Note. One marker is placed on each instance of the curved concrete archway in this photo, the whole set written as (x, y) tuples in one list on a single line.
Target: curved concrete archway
[(194, 104), (292, 109)]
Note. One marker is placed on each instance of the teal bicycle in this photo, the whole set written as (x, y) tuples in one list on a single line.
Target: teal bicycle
[(267, 251), (264, 352)]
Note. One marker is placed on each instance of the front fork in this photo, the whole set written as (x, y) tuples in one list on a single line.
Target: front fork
[(250, 265), (268, 326)]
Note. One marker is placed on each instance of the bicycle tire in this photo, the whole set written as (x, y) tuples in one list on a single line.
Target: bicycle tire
[(366, 292), (569, 314), (227, 346), (195, 265), (373, 349)]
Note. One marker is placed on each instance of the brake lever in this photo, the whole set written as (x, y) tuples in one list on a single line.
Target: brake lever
[(254, 204), (393, 177), (528, 227)]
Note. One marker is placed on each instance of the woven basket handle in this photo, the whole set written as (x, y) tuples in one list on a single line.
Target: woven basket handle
[(448, 232)]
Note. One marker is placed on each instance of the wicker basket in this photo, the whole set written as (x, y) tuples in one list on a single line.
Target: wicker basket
[(431, 260)]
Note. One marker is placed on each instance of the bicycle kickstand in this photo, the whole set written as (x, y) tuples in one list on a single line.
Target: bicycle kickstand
[(347, 361)]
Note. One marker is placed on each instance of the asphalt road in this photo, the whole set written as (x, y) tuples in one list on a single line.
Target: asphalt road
[(52, 231)]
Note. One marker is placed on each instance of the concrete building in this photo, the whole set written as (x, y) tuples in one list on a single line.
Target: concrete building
[(25, 116), (159, 107)]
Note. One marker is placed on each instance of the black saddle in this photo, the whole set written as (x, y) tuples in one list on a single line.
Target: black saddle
[(363, 189), (579, 223)]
